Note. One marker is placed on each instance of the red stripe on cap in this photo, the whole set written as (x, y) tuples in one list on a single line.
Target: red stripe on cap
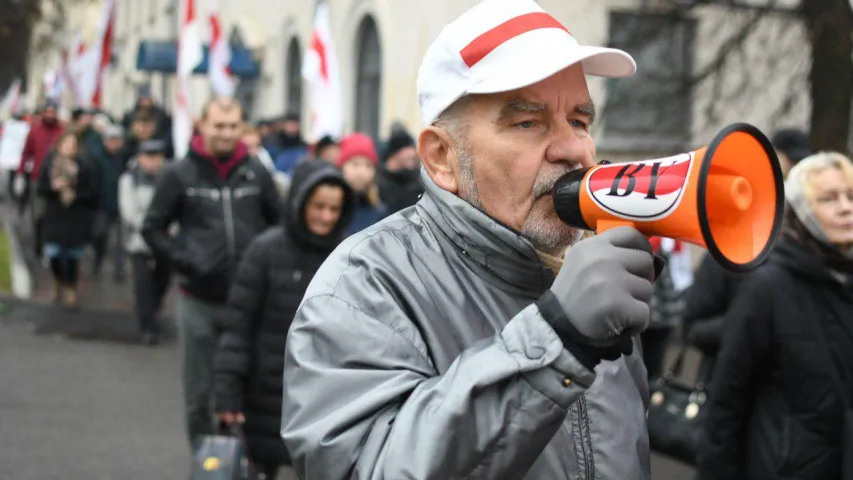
[(487, 42)]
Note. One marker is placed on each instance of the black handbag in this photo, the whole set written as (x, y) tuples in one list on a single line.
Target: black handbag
[(847, 420), (675, 414), (223, 456)]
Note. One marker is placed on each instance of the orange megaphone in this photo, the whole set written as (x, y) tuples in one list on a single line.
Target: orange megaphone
[(727, 197)]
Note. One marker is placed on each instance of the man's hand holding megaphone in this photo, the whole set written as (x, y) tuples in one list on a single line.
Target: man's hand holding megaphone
[(601, 296)]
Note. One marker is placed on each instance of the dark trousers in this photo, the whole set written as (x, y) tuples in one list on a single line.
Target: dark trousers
[(37, 207), (24, 198), (655, 342), (150, 282), (66, 271), (199, 325), (108, 225)]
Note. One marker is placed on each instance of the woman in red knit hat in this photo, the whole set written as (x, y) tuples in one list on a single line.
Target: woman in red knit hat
[(358, 159)]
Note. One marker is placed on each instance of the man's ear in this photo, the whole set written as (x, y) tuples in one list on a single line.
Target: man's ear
[(435, 148)]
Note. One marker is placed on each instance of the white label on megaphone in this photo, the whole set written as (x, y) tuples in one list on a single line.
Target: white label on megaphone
[(647, 190)]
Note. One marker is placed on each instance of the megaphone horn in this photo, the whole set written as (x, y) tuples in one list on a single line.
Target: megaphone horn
[(727, 197)]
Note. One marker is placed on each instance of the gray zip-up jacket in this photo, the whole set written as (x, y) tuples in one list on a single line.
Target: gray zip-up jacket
[(417, 353)]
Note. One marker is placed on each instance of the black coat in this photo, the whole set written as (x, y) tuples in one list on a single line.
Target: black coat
[(713, 290), (399, 190), (705, 304), (264, 297), (217, 218), (72, 225), (773, 411)]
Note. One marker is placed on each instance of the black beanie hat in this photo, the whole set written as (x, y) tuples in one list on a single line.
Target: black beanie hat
[(78, 112), (326, 141), (795, 144), (398, 141)]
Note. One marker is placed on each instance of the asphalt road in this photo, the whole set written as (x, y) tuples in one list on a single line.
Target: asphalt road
[(78, 410)]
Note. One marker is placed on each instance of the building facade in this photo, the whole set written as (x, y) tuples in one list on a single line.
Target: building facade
[(699, 68)]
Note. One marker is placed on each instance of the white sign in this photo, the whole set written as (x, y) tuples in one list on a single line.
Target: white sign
[(12, 143)]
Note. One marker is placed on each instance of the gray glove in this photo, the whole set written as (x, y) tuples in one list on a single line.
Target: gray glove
[(601, 296)]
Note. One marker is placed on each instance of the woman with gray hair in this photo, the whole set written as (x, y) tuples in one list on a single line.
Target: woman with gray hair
[(784, 378)]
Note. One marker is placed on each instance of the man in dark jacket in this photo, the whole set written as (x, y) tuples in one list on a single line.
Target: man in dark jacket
[(110, 165), (458, 339), (220, 198), (399, 177), (162, 121), (286, 145), (143, 127)]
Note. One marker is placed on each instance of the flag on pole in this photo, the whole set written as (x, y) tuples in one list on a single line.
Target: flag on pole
[(104, 46), (66, 61), (190, 54), (220, 56), (320, 70), (81, 65), (12, 100), (88, 69), (84, 70)]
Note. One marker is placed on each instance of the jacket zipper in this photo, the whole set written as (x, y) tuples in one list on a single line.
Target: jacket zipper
[(229, 222), (589, 459), (581, 440)]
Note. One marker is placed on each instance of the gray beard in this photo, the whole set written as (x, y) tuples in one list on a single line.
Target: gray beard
[(537, 229)]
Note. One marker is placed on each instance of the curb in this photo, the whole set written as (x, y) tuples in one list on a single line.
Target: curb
[(22, 279)]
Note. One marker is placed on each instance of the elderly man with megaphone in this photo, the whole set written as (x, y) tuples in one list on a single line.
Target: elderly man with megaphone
[(457, 339)]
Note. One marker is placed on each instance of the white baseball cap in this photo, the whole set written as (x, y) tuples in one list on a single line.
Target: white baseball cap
[(503, 45)]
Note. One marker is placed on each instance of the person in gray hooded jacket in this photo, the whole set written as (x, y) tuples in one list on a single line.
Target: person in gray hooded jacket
[(151, 273), (454, 339)]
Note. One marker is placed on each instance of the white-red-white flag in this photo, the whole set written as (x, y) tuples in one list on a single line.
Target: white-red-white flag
[(88, 64), (12, 100), (69, 55), (219, 58), (320, 70), (104, 50), (190, 55)]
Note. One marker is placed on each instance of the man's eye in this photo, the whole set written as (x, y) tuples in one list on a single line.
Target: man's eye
[(526, 124), (580, 124)]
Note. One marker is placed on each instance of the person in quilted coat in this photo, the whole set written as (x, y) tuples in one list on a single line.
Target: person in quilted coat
[(264, 297)]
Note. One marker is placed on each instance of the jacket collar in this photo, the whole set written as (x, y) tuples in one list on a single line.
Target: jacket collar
[(223, 166), (490, 244)]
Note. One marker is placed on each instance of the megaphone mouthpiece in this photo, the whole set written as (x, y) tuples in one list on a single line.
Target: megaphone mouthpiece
[(732, 193)]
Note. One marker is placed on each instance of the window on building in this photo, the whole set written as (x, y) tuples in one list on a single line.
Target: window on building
[(293, 78), (368, 85), (653, 109)]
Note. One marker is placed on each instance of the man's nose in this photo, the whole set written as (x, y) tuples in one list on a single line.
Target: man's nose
[(566, 146)]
